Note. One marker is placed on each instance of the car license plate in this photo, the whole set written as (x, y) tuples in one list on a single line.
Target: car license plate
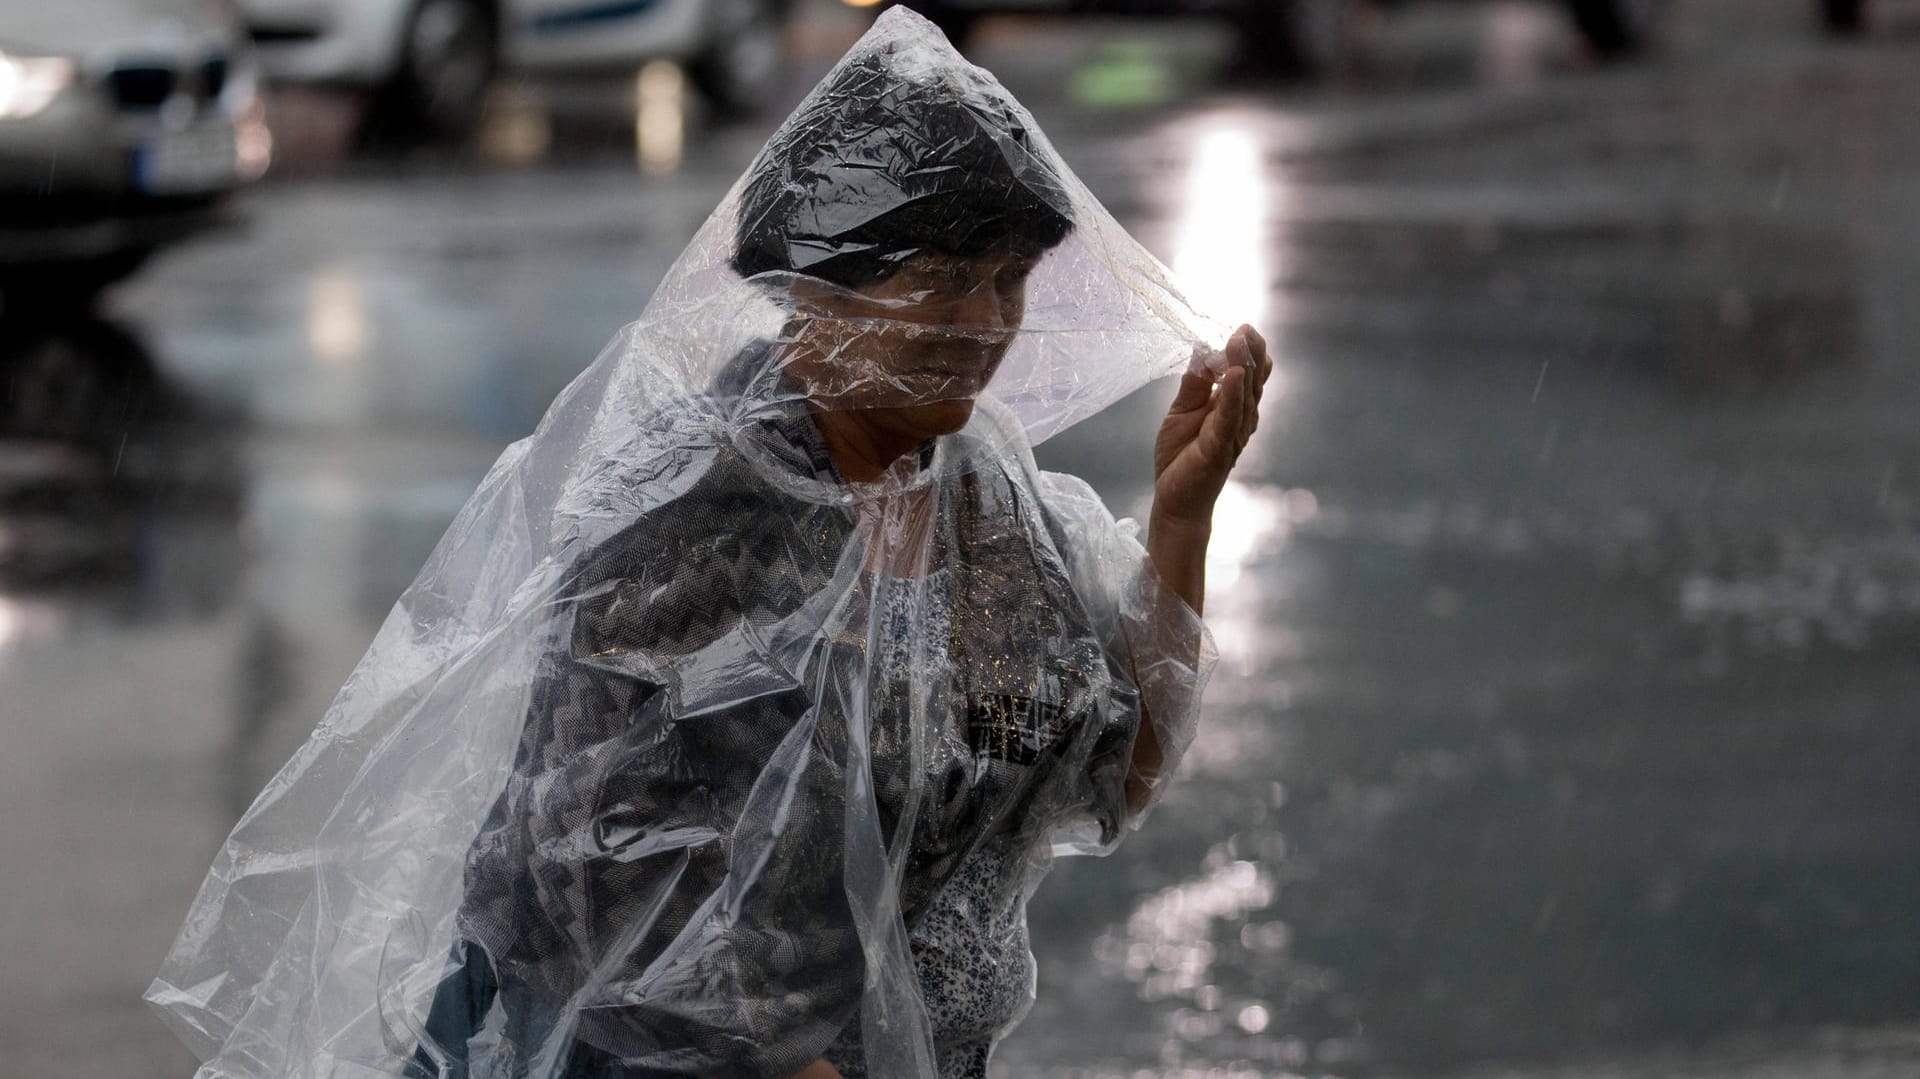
[(196, 160)]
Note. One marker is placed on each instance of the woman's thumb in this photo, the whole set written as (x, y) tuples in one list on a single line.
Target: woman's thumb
[(1194, 391)]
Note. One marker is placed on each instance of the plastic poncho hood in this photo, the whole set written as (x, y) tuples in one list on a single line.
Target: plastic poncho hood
[(691, 753)]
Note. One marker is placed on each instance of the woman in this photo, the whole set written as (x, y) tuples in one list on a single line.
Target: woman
[(732, 724)]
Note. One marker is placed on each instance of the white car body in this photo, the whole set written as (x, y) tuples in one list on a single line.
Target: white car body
[(358, 42), (143, 114), (349, 41), (560, 34)]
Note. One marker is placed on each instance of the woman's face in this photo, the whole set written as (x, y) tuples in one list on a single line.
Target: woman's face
[(911, 352)]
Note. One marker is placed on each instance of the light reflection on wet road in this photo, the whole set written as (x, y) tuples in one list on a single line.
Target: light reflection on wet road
[(1568, 605)]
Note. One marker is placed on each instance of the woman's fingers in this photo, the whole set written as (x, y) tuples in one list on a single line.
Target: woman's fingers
[(1231, 405), (1251, 415), (1237, 359), (1256, 352), (1260, 369), (1250, 393), (1254, 383), (1222, 431), (1239, 348), (1243, 397)]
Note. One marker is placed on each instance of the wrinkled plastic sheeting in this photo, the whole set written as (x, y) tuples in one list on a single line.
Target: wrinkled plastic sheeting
[(666, 755)]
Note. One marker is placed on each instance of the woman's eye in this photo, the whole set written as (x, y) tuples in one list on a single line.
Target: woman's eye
[(925, 285), (931, 280)]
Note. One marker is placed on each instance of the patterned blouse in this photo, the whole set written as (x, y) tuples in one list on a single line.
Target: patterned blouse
[(643, 751)]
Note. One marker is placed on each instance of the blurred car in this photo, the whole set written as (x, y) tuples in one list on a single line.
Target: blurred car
[(431, 60), (1844, 16), (1302, 36), (124, 124), (115, 480)]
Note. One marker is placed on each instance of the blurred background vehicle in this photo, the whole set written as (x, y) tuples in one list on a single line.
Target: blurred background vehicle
[(1844, 15), (123, 126), (111, 469), (1302, 37), (429, 62)]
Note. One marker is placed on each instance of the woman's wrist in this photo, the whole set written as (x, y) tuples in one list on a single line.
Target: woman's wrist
[(1177, 547), (1186, 526)]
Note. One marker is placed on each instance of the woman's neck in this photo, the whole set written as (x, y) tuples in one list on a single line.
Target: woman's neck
[(862, 443), (862, 450)]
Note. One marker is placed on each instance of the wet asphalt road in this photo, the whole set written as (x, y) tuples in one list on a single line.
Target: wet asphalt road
[(1569, 717)]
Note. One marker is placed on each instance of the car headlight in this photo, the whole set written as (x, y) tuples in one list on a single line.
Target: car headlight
[(29, 83)]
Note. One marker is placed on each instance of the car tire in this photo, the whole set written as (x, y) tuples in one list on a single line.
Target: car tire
[(69, 287), (1295, 38), (1618, 27), (449, 51), (1844, 16), (745, 57), (54, 389)]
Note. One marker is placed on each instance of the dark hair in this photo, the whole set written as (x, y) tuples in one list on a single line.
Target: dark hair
[(874, 167)]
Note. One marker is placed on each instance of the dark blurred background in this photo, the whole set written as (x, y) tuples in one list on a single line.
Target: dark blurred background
[(1568, 724)]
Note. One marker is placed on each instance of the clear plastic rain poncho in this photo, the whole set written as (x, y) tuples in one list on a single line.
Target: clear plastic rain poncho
[(689, 753)]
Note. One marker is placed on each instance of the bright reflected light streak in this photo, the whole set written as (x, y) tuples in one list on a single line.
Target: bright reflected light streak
[(252, 142), (1516, 42), (1243, 518), (1167, 946), (1219, 256), (659, 116), (1248, 521), (19, 620), (30, 83), (518, 130), (336, 317)]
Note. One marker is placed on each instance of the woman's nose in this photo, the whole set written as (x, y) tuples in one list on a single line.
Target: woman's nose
[(980, 305)]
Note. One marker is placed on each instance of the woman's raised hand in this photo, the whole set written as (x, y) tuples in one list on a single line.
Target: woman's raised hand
[(1207, 426)]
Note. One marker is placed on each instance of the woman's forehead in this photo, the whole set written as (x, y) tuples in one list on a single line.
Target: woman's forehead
[(992, 260)]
